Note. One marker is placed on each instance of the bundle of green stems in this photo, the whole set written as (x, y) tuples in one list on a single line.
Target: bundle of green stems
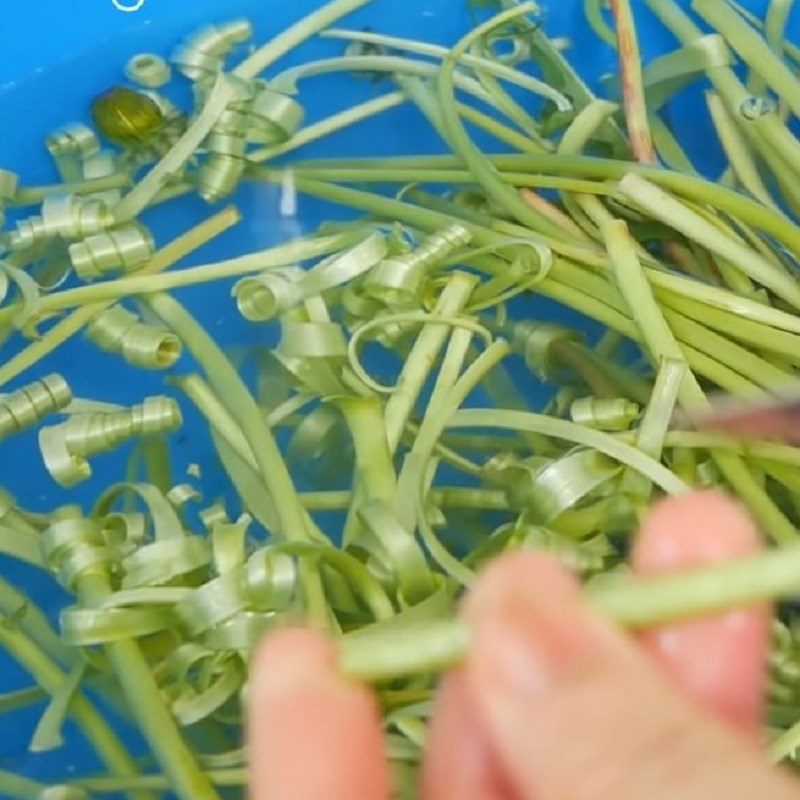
[(391, 444)]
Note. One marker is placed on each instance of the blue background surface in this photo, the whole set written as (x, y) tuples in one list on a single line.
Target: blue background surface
[(57, 56)]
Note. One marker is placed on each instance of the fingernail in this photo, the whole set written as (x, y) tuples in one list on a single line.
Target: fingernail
[(531, 631), (510, 665), (669, 537), (522, 654)]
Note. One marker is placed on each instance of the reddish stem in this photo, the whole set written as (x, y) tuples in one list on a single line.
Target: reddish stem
[(630, 71), (551, 211)]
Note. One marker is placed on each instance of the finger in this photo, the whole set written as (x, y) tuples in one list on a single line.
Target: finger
[(459, 762), (720, 660), (574, 709), (311, 734)]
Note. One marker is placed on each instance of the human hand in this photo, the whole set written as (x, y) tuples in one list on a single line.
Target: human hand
[(553, 702)]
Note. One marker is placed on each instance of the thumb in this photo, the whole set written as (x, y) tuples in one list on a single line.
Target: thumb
[(574, 709), (311, 734)]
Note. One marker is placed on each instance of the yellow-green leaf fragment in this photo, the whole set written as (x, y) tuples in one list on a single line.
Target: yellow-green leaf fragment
[(47, 735), (610, 414)]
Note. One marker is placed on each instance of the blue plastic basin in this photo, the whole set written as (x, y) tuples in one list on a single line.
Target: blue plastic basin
[(56, 56)]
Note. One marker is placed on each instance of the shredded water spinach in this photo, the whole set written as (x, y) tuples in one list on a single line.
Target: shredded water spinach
[(395, 401)]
